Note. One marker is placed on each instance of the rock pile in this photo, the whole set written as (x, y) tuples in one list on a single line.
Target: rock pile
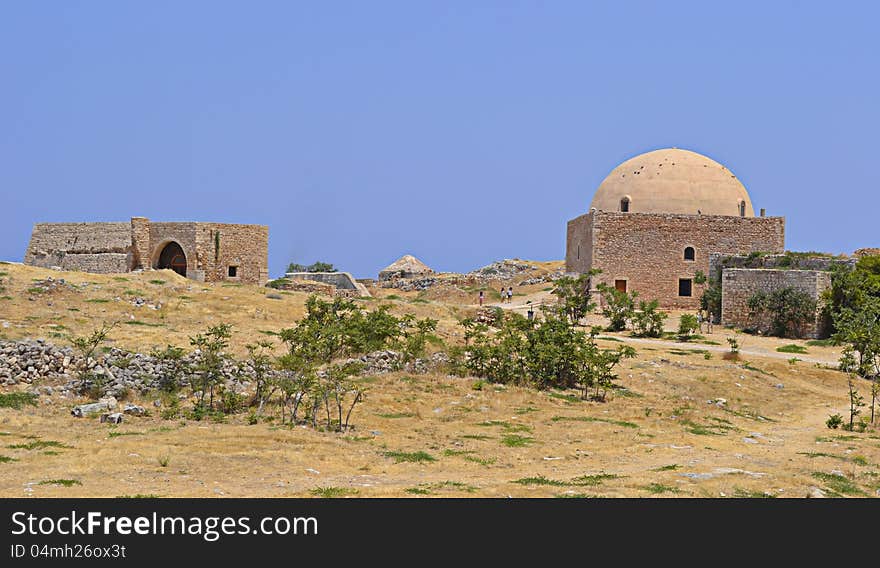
[(502, 270), (121, 372)]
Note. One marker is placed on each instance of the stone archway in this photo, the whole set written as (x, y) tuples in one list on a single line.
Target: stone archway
[(172, 257)]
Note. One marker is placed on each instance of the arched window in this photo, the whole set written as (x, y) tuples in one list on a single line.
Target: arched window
[(624, 205), (742, 208), (689, 253)]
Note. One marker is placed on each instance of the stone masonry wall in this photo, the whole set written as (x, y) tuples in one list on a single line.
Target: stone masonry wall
[(798, 261), (138, 244), (245, 247), (91, 247), (738, 285), (578, 244), (647, 249)]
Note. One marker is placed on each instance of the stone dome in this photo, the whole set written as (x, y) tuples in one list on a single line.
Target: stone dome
[(673, 181)]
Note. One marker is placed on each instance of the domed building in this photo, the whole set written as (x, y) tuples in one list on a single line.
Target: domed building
[(655, 220)]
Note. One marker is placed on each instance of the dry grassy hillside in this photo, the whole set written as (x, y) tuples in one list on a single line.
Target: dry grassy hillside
[(688, 423)]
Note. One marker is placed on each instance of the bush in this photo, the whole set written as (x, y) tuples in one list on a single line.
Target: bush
[(783, 313), (618, 306), (574, 296), (316, 267), (687, 326), (648, 320), (834, 421)]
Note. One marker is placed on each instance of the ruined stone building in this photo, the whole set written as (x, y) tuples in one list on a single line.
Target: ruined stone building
[(207, 252), (655, 220)]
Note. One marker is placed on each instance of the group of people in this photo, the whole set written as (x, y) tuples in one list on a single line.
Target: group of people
[(506, 295)]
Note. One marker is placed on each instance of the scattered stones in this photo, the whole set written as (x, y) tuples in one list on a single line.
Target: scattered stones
[(83, 410), (134, 410), (115, 418)]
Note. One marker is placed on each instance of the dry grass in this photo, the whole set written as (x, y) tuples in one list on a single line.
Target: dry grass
[(434, 435)]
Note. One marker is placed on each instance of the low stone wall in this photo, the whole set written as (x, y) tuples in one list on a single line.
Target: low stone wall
[(90, 247), (738, 285), (783, 261), (340, 280)]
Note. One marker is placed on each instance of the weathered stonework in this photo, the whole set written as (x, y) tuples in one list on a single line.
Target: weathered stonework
[(210, 251), (647, 250), (344, 283), (738, 285)]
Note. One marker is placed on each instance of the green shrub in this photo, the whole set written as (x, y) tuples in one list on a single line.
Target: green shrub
[(648, 320), (834, 422), (687, 326)]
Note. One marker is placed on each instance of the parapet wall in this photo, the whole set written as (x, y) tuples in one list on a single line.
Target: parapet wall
[(91, 247), (785, 261), (738, 285)]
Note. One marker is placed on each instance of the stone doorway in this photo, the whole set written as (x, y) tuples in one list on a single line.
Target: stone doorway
[(172, 257), (620, 285)]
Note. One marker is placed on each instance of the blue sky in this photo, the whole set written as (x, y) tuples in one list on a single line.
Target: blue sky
[(458, 131)]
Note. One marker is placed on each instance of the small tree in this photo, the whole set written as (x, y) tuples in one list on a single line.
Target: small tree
[(574, 295), (618, 306), (210, 359), (262, 367), (87, 346), (856, 402), (648, 320)]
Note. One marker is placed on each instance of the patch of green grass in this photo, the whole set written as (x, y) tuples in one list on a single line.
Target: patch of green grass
[(575, 496), (411, 457), (564, 396), (659, 488), (739, 493), (476, 437), (139, 496), (525, 410), (792, 348), (133, 292), (394, 415), (482, 461), (38, 445), (540, 480), (750, 367), (392, 297), (448, 452), (821, 342), (592, 480), (120, 279), (116, 434), (7, 459), (670, 467), (17, 400), (516, 441), (64, 482), (428, 488), (507, 426), (622, 423), (98, 300), (332, 492), (606, 338), (838, 483), (689, 352), (705, 429), (36, 290), (143, 323)]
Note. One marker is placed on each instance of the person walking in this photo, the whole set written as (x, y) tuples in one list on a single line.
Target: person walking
[(481, 297), (510, 295), (503, 294)]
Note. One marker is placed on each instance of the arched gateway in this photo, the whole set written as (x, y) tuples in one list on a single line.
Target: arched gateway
[(173, 257)]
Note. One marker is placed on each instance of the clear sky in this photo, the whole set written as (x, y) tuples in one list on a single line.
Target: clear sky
[(461, 131)]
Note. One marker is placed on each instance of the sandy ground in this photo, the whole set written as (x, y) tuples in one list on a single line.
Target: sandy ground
[(667, 434)]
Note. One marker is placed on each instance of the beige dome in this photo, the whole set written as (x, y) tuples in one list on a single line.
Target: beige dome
[(673, 181)]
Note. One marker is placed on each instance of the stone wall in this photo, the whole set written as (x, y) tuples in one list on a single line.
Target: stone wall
[(91, 247), (138, 244), (788, 261), (578, 244), (738, 285), (244, 247), (340, 280), (646, 250)]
